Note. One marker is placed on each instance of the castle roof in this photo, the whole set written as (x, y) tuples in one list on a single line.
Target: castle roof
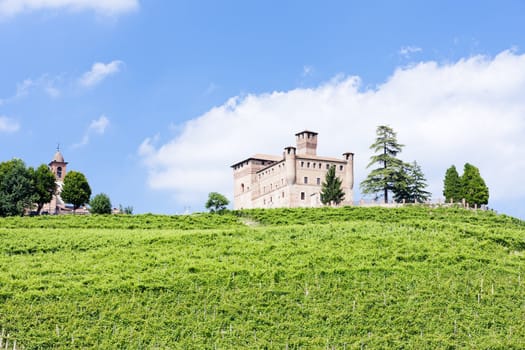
[(266, 157)]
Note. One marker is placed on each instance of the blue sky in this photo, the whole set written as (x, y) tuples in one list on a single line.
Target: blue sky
[(150, 98)]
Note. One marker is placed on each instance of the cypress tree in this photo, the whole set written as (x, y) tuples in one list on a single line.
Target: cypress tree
[(474, 189), (452, 185)]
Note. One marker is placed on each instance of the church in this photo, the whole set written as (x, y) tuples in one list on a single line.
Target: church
[(57, 206), (291, 180)]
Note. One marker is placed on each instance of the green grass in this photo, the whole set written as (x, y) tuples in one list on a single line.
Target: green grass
[(408, 278)]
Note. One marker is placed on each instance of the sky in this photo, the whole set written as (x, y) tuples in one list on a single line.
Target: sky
[(154, 100)]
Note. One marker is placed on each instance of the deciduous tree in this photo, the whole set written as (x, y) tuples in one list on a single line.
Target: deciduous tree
[(16, 188), (216, 202), (100, 204), (44, 185), (76, 189)]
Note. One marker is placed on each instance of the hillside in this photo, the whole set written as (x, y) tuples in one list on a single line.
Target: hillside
[(371, 278)]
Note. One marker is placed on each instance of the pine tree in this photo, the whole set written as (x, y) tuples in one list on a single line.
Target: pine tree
[(332, 190), (410, 184), (383, 178), (418, 183), (473, 187), (452, 185)]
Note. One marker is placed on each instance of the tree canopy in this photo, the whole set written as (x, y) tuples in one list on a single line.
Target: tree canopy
[(216, 202), (332, 192), (76, 189), (452, 185), (473, 187), (100, 204), (410, 184), (16, 188), (470, 186), (44, 185), (383, 177)]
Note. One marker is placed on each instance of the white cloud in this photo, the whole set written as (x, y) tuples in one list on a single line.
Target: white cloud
[(99, 71), (472, 111), (407, 51), (8, 125), (97, 126), (9, 8), (44, 83)]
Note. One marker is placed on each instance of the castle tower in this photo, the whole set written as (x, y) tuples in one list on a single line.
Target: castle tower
[(291, 172), (306, 142), (58, 166), (348, 179)]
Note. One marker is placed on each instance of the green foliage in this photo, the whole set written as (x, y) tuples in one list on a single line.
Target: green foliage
[(216, 202), (16, 188), (100, 204), (376, 278), (126, 210), (383, 178), (76, 189), (410, 184), (470, 186), (332, 192), (452, 185), (473, 187), (44, 185)]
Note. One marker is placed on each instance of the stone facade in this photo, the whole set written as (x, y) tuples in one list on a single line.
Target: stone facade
[(291, 180)]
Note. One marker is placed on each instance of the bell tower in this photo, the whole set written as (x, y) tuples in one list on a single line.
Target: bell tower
[(58, 166)]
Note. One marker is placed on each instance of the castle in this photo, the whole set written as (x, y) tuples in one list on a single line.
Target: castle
[(291, 180)]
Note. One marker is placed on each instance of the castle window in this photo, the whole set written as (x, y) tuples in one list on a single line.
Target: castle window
[(282, 181), (282, 194), (302, 196), (302, 164), (318, 180), (59, 172), (242, 187), (341, 167), (327, 166), (320, 165), (308, 164), (305, 179)]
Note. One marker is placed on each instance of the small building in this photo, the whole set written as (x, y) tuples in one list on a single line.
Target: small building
[(291, 180)]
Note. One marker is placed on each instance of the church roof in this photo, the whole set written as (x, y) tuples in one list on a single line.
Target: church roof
[(59, 158)]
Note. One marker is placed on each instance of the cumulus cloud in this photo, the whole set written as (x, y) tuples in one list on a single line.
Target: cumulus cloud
[(9, 8), (472, 110), (99, 71), (8, 125), (97, 126)]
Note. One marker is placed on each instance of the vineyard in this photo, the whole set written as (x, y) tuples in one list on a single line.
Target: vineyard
[(330, 278)]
